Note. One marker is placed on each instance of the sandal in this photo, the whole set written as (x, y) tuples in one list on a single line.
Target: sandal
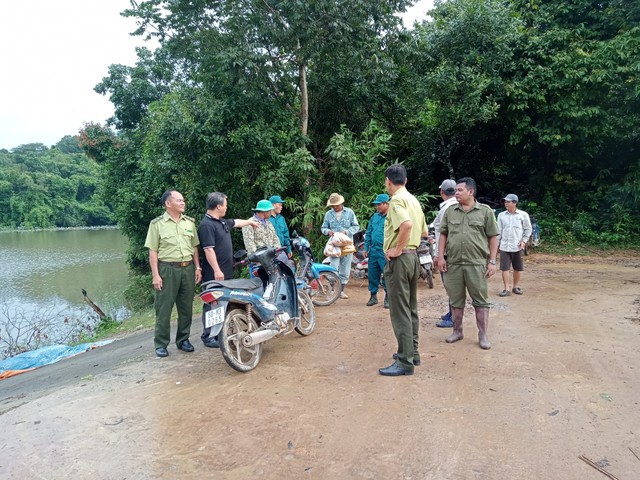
[(504, 293), (517, 291)]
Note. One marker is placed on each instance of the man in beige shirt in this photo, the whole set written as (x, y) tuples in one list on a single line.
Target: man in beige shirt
[(171, 240)]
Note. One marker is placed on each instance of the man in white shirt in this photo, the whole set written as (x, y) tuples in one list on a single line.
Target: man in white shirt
[(448, 194), (515, 230)]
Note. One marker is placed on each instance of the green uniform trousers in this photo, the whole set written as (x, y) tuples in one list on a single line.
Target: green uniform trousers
[(471, 278), (402, 275), (178, 286)]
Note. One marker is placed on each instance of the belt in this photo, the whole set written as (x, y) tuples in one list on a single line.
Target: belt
[(177, 264), (409, 251)]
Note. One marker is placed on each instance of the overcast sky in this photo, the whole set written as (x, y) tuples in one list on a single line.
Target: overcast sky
[(54, 52)]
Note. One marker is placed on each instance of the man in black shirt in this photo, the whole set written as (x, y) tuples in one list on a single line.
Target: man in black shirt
[(217, 249)]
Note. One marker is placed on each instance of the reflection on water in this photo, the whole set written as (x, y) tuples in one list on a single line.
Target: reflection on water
[(46, 270)]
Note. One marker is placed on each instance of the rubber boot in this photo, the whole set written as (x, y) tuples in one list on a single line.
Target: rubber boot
[(482, 320), (457, 314)]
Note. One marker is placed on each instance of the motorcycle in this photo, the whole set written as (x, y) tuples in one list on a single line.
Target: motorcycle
[(534, 239), (245, 313), (426, 252), (359, 263), (323, 281), (361, 269)]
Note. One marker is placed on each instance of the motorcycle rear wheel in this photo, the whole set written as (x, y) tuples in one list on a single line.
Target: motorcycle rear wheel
[(328, 289), (307, 320), (236, 325)]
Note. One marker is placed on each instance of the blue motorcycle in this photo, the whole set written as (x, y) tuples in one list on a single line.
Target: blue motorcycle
[(245, 313), (323, 281), (534, 239)]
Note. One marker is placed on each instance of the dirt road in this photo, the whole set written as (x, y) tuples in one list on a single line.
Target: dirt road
[(561, 380)]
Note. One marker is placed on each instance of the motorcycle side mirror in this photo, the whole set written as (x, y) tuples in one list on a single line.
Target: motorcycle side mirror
[(294, 234), (240, 254)]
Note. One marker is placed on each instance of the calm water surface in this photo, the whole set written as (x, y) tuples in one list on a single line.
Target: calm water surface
[(46, 270)]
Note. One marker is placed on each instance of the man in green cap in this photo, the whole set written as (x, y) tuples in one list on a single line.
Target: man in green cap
[(264, 235), (373, 242), (403, 229), (171, 240), (279, 223)]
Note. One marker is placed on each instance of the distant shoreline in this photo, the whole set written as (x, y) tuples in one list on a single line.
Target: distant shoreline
[(55, 229)]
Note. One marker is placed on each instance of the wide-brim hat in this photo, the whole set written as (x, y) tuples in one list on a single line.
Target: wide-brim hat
[(263, 206), (512, 197), (335, 199), (276, 199), (381, 198)]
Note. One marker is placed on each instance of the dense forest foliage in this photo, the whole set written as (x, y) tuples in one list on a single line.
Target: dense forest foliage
[(535, 97), (43, 187)]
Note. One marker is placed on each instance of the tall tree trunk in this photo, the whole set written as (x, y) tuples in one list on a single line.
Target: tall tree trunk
[(304, 101)]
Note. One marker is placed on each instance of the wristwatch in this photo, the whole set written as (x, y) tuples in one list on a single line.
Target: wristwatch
[(492, 262)]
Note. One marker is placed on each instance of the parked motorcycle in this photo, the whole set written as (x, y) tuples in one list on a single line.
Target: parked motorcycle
[(359, 263), (534, 239), (323, 281), (426, 252), (361, 269), (245, 313)]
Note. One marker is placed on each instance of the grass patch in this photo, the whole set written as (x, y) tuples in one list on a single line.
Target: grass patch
[(142, 320)]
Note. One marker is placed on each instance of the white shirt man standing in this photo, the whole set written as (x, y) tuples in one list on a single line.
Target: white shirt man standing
[(515, 230), (448, 194)]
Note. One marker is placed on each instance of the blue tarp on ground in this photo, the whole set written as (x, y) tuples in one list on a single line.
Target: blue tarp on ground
[(45, 356)]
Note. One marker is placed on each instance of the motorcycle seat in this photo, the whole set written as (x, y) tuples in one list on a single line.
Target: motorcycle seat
[(247, 284)]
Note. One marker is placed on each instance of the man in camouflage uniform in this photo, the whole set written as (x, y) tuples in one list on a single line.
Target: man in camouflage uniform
[(264, 235), (171, 240)]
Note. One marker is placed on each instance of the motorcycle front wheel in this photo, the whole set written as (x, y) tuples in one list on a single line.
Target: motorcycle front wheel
[(307, 321), (326, 289), (239, 357)]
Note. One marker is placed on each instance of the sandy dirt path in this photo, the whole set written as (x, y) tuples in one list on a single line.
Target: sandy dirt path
[(561, 380)]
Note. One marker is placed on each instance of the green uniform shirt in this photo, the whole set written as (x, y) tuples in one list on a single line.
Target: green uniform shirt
[(402, 207), (468, 234), (174, 241)]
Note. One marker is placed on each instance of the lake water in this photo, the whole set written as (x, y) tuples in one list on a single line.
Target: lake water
[(43, 272)]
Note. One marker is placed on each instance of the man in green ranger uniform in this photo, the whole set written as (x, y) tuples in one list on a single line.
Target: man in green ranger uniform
[(469, 237), (403, 228), (171, 240)]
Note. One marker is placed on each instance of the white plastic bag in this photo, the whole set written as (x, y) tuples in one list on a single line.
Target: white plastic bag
[(340, 240), (331, 250)]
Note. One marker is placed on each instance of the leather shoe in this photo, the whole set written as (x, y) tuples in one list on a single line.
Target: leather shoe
[(416, 360), (186, 346), (211, 343), (162, 352), (395, 370)]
